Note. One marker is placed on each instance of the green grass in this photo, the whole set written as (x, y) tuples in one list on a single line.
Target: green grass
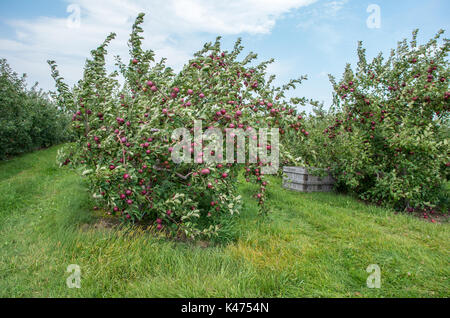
[(312, 245)]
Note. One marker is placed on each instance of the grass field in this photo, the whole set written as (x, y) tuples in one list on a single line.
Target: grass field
[(312, 245)]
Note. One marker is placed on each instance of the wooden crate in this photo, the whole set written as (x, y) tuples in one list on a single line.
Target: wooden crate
[(303, 180)]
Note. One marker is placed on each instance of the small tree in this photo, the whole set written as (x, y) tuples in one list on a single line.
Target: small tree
[(29, 120), (390, 142), (124, 133)]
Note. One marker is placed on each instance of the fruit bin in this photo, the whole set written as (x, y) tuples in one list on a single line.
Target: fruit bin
[(303, 179)]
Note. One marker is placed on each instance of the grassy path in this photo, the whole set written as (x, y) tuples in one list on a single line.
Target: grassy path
[(313, 245)]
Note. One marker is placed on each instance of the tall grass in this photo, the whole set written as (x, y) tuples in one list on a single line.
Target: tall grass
[(312, 245)]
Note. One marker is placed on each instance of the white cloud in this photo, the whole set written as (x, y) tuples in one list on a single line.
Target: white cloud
[(332, 8), (323, 12), (173, 29), (233, 17), (321, 20), (322, 75)]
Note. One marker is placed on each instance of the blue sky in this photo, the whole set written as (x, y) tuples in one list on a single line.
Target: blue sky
[(312, 37)]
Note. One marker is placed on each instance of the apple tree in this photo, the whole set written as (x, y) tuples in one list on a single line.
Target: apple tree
[(125, 142), (390, 141)]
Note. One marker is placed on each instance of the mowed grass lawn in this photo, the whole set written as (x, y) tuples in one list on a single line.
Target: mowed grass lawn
[(312, 245)]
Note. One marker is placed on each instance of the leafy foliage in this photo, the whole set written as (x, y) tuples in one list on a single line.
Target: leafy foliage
[(124, 132), (28, 118), (390, 138)]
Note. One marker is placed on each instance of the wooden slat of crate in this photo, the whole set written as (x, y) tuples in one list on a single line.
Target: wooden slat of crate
[(309, 179), (300, 179)]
